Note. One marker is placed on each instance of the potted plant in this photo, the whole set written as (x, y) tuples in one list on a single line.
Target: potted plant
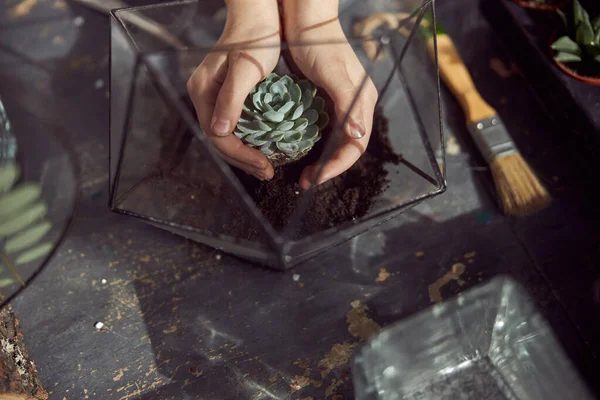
[(576, 47), (542, 5)]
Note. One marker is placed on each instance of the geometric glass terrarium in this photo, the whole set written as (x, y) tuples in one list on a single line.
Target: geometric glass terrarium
[(490, 342), (165, 171)]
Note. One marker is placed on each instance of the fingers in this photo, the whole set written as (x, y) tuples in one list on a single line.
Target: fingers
[(205, 88), (243, 73), (357, 130)]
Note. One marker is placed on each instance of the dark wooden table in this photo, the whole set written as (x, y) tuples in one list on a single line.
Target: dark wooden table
[(183, 321)]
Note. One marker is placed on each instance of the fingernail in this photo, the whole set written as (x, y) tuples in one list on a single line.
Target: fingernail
[(221, 127), (258, 176), (356, 131)]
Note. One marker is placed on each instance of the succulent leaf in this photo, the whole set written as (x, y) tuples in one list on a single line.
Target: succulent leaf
[(282, 115), (567, 57), (567, 45)]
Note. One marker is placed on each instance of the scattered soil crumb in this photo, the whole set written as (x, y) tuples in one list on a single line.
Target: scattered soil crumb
[(359, 324), (452, 147), (454, 274), (419, 254), (22, 9), (299, 382), (172, 329), (339, 356), (500, 68), (145, 259), (382, 276), (119, 375), (470, 255)]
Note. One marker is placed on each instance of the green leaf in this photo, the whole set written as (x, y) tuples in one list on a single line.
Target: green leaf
[(307, 98), (274, 116), (22, 220), (278, 88), (263, 126), (240, 135), (580, 14), (19, 197), (566, 44), (4, 282), (268, 98), (27, 238), (597, 59), (249, 128), (34, 253), (290, 149), (323, 120), (311, 115), (305, 145), (255, 141), (318, 104), (300, 124), (286, 80), (264, 87), (287, 98), (257, 100), (297, 112), (271, 77), (567, 57), (585, 33), (292, 137), (268, 149), (295, 93), (311, 132), (596, 23), (287, 107), (304, 85), (8, 176), (275, 136), (285, 126)]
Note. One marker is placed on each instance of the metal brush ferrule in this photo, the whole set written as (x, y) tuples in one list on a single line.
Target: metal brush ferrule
[(491, 138)]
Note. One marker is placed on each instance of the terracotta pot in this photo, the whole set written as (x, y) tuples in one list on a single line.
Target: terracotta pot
[(529, 4), (587, 79)]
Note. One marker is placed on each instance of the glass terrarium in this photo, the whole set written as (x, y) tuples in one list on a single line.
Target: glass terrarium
[(165, 171), (490, 342)]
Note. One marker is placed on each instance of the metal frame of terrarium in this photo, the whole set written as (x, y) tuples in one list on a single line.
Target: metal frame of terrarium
[(277, 253)]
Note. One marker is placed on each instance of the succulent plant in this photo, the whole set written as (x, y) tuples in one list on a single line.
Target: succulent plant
[(583, 44), (283, 117)]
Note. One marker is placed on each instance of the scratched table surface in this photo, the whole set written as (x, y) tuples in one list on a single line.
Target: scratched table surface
[(182, 321)]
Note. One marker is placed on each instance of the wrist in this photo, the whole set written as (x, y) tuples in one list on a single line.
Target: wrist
[(301, 16), (265, 12)]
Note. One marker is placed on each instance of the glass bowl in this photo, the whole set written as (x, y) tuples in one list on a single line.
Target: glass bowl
[(39, 191)]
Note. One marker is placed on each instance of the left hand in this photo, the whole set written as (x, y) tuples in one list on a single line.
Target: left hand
[(335, 68)]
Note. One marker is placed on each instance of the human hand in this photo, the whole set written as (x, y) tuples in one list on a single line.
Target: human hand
[(337, 70), (220, 85)]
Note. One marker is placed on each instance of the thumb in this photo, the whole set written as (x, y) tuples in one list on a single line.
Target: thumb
[(244, 72), (342, 90)]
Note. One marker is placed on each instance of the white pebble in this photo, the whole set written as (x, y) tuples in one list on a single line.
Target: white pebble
[(218, 257), (78, 21), (99, 84), (99, 325), (104, 281), (297, 192), (296, 277)]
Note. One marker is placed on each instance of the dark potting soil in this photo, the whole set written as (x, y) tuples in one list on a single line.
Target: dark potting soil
[(201, 200), (335, 202)]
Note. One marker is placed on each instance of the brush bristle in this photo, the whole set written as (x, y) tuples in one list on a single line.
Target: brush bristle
[(519, 190)]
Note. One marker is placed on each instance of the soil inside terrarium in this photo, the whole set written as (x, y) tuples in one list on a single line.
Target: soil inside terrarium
[(183, 171)]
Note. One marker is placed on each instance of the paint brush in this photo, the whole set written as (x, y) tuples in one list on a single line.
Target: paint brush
[(520, 192)]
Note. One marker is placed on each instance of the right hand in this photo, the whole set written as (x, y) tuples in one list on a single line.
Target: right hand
[(220, 85)]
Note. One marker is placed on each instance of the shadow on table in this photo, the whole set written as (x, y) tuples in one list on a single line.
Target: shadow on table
[(224, 329)]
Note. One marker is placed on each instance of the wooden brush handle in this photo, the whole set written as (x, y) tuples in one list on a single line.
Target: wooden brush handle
[(456, 76)]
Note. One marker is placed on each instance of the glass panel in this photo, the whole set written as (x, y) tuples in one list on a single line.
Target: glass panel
[(488, 343)]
